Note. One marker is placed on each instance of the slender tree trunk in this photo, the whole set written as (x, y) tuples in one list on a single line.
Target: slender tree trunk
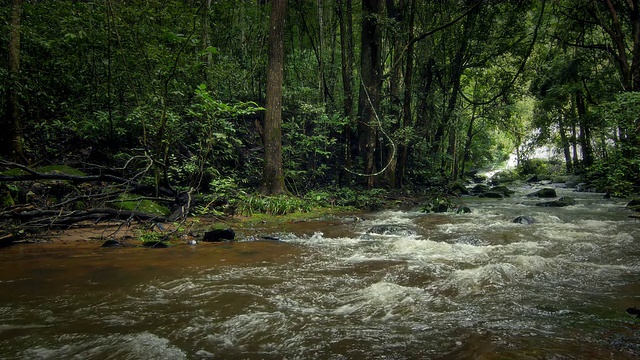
[(565, 145), (11, 134), (467, 145), (346, 52), (407, 116), (585, 136), (369, 103), (272, 174)]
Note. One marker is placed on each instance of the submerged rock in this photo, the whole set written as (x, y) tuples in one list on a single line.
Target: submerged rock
[(524, 219), (563, 201), (502, 190), (155, 244), (111, 243), (634, 205), (544, 193), (479, 189), (397, 230), (491, 195), (218, 235), (463, 210)]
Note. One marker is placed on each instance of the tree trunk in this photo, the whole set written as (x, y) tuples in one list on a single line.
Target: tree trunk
[(272, 174), (403, 149), (11, 134), (346, 52), (585, 136), (565, 145), (369, 103)]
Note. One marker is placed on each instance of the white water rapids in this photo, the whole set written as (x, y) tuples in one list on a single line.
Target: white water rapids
[(451, 286)]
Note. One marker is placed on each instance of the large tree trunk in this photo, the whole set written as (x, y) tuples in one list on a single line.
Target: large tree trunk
[(11, 134), (369, 103), (346, 52), (403, 149), (272, 173)]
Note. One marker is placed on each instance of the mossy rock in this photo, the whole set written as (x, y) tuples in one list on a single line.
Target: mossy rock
[(480, 188), (492, 195), (60, 169), (133, 202), (562, 202), (459, 188), (502, 190), (544, 193)]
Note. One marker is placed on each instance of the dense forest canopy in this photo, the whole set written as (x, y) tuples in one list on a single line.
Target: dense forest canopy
[(394, 93)]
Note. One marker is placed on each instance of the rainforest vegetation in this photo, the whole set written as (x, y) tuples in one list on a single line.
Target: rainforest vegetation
[(218, 106)]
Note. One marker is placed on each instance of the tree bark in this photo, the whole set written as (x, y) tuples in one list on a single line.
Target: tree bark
[(346, 52), (11, 134), (369, 103), (272, 173), (403, 150)]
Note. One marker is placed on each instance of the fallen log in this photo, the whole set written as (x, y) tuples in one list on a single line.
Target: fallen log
[(61, 219)]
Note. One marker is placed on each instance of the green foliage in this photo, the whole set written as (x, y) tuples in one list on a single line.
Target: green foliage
[(437, 204), (617, 176), (151, 237), (134, 202), (273, 205), (60, 169)]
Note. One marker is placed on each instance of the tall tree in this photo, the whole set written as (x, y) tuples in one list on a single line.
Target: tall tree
[(272, 173), (370, 68), (11, 136)]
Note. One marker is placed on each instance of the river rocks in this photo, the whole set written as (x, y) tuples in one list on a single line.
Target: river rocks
[(463, 209), (479, 189), (491, 195), (502, 190), (219, 235), (155, 244), (544, 193), (563, 201), (111, 243), (524, 219), (458, 188), (634, 204), (396, 230)]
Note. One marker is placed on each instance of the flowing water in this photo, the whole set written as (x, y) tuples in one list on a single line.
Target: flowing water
[(445, 286)]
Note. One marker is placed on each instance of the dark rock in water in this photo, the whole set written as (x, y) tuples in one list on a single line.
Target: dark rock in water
[(458, 188), (606, 196), (634, 311), (155, 244), (563, 201), (479, 189), (270, 237), (634, 205), (544, 193), (533, 179), (390, 230), (441, 208), (502, 190), (491, 195), (463, 210), (524, 219), (111, 243), (218, 235)]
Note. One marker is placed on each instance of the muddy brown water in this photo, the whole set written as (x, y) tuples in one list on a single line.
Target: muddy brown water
[(449, 287)]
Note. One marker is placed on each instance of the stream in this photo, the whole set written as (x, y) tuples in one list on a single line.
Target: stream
[(442, 286)]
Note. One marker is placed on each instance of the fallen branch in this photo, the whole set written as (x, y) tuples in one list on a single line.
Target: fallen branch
[(60, 219)]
